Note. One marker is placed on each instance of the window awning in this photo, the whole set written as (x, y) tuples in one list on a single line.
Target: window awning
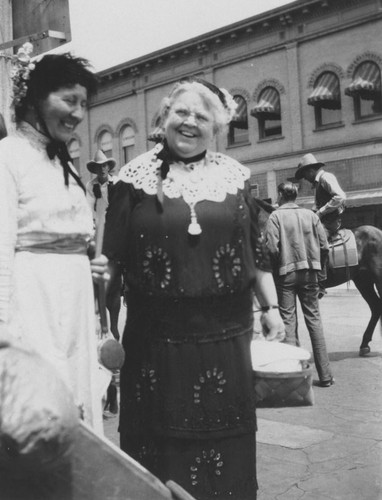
[(364, 198), (366, 81), (326, 92), (354, 199), (240, 118), (156, 135), (268, 104)]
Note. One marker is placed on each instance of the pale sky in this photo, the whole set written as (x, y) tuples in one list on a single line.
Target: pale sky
[(110, 32)]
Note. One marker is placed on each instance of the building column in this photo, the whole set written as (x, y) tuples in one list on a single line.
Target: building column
[(294, 96), (271, 185), (141, 144)]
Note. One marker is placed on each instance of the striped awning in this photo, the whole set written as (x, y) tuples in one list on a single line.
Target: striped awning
[(240, 118), (326, 92), (156, 135), (268, 104), (366, 81)]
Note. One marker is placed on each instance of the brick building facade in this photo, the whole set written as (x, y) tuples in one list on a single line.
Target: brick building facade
[(307, 78)]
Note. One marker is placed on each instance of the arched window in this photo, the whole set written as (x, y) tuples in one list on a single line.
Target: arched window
[(268, 113), (238, 127), (74, 153), (105, 142), (326, 99), (127, 143), (365, 89)]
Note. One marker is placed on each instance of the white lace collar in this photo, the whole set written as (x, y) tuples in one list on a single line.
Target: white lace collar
[(211, 178)]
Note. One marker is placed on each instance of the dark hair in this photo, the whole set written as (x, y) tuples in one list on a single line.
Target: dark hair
[(53, 72), (3, 128), (288, 190)]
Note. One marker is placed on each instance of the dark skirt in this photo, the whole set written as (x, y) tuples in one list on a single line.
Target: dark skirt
[(187, 399)]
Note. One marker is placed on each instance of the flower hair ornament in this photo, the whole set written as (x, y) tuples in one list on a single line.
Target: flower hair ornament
[(225, 97), (20, 73)]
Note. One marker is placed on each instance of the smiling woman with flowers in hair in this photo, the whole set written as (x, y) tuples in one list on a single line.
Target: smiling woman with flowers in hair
[(185, 227), (46, 292)]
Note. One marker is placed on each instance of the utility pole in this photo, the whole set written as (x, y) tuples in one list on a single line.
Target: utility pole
[(5, 63), (44, 23)]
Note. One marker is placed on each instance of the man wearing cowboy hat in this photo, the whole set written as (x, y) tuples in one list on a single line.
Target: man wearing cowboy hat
[(100, 186), (329, 197)]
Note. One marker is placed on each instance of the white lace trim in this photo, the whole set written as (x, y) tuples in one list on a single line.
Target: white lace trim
[(210, 179)]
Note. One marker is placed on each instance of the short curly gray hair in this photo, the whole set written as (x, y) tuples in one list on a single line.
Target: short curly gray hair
[(220, 113)]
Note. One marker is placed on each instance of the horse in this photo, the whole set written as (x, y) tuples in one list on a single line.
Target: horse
[(366, 275)]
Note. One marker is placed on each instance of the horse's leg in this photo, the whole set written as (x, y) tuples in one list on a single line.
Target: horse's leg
[(365, 285)]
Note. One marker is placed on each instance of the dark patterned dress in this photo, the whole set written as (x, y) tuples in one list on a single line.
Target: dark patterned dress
[(187, 409)]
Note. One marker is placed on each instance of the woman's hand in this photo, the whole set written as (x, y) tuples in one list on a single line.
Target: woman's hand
[(273, 326), (100, 269)]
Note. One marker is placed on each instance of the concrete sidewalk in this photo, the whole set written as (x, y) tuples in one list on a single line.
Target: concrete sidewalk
[(333, 449)]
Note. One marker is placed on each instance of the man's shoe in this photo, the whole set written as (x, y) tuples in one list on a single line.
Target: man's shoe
[(107, 415), (327, 383)]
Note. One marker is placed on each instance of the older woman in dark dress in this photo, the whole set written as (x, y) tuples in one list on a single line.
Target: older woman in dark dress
[(185, 227)]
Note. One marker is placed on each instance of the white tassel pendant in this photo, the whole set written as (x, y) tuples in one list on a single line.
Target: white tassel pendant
[(194, 228)]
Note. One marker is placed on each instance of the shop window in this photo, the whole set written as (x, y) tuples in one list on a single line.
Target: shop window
[(238, 127), (268, 113), (365, 89), (255, 190), (326, 100), (127, 143)]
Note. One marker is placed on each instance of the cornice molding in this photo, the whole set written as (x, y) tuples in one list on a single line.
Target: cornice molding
[(268, 82), (332, 67)]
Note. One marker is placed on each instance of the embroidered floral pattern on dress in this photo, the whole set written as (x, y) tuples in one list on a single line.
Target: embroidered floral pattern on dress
[(226, 265), (259, 250), (210, 383), (208, 464), (146, 383), (156, 268)]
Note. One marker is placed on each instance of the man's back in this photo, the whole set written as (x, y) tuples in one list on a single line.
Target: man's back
[(296, 239)]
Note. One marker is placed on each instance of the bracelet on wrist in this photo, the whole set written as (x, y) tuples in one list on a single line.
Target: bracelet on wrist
[(267, 308)]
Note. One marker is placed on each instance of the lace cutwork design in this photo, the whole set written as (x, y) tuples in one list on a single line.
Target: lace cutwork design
[(156, 268), (212, 382), (211, 178), (146, 383), (207, 466), (226, 265)]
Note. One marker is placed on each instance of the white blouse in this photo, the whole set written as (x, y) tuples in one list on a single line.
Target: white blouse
[(36, 207)]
